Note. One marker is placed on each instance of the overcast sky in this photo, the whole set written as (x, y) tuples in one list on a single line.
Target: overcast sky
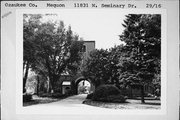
[(102, 26)]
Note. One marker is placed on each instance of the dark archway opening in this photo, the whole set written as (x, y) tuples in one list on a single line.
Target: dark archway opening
[(83, 86)]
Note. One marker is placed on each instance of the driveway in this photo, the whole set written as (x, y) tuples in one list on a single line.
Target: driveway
[(70, 101)]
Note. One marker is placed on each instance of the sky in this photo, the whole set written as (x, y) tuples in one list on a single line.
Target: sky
[(100, 25)]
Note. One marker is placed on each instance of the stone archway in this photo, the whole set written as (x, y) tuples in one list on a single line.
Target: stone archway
[(78, 80)]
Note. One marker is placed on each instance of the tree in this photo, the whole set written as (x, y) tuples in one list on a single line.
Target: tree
[(142, 51), (102, 66), (113, 60), (60, 51), (55, 50), (96, 67), (30, 23)]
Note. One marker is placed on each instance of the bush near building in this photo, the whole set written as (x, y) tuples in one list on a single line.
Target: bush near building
[(107, 93), (27, 97), (89, 96)]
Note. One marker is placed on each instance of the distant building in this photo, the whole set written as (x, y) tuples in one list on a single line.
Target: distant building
[(88, 46)]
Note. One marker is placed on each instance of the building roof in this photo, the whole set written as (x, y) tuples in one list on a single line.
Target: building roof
[(89, 41), (66, 83)]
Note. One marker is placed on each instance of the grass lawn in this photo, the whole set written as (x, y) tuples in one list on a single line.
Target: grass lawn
[(130, 104), (41, 100)]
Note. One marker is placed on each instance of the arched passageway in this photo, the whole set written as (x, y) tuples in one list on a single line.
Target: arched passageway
[(83, 85)]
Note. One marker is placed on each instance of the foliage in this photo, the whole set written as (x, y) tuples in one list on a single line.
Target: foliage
[(105, 90), (142, 36), (89, 96), (101, 66), (108, 93), (96, 67), (52, 95), (135, 63), (141, 61), (52, 48), (30, 23), (27, 97), (114, 98), (113, 60)]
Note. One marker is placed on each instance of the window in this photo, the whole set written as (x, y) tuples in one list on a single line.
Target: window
[(83, 48)]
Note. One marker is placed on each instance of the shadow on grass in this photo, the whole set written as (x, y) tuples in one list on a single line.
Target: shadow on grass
[(99, 103), (35, 102), (31, 102), (150, 103), (145, 98), (126, 105), (89, 101), (44, 100)]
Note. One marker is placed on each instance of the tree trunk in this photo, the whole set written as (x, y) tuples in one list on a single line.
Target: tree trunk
[(37, 86), (51, 85), (142, 94), (25, 77), (48, 82), (131, 92)]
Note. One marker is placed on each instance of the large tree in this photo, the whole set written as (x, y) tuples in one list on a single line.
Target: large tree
[(30, 23), (55, 50), (113, 60), (102, 66), (142, 51), (96, 67)]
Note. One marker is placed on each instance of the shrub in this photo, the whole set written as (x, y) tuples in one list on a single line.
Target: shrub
[(116, 98), (44, 94), (57, 95), (89, 96), (27, 97), (105, 93)]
